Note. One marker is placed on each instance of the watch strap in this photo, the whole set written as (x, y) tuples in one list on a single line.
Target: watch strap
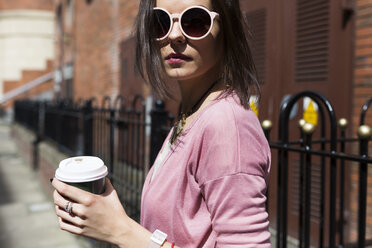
[(157, 239)]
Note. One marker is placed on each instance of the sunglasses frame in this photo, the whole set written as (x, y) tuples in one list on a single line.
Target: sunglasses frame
[(178, 17)]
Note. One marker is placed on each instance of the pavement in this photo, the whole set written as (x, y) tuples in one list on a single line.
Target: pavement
[(27, 216)]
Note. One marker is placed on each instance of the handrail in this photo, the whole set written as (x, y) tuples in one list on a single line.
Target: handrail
[(26, 87)]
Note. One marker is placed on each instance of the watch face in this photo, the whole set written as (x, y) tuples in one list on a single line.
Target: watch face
[(158, 237)]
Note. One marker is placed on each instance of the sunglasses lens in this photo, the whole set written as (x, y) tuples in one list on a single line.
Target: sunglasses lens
[(162, 23), (196, 22)]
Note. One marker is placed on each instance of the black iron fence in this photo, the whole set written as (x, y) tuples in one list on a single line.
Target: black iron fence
[(27, 114), (311, 169), (308, 168), (117, 133)]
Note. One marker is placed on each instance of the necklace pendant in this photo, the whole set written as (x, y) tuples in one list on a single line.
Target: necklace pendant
[(177, 129)]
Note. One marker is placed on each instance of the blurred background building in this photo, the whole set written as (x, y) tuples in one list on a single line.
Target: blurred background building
[(26, 49), (81, 49), (93, 38)]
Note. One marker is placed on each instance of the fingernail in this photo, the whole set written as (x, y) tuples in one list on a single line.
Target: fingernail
[(51, 180)]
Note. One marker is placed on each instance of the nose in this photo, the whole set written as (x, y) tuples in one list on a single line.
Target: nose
[(176, 34)]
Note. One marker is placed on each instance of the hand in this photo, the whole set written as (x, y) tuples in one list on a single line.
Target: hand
[(101, 217)]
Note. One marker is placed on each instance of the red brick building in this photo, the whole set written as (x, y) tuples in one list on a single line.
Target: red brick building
[(93, 36), (94, 42), (362, 70), (361, 92)]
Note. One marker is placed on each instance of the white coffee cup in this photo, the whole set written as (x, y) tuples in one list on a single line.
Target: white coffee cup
[(85, 172)]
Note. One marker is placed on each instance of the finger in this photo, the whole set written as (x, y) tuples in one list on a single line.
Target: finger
[(61, 202), (70, 218), (71, 192), (108, 187), (69, 227)]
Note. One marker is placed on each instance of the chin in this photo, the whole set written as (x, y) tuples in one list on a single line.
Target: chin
[(180, 74), (186, 71)]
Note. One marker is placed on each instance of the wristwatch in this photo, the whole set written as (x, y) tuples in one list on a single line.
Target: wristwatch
[(157, 239)]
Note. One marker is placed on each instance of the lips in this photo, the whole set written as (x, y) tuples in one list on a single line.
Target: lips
[(177, 58)]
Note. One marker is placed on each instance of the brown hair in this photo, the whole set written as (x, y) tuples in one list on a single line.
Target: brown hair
[(238, 67)]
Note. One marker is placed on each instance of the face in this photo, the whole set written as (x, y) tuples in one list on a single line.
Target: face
[(186, 58)]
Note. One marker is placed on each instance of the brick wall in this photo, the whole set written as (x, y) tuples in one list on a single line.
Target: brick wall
[(99, 44), (363, 59), (26, 4), (93, 44), (362, 91)]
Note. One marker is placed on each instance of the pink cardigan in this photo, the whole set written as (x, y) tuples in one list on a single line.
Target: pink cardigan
[(210, 189)]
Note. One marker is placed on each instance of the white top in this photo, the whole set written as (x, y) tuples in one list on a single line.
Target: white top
[(160, 158)]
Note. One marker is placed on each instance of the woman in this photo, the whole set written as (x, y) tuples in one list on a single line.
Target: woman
[(207, 186)]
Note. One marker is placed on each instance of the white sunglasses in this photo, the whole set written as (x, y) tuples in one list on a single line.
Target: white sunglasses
[(196, 22)]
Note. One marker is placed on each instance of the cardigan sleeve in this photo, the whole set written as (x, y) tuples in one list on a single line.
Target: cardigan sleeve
[(232, 173), (237, 207), (231, 142)]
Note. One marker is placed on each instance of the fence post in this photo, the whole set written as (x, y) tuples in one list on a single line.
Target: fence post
[(58, 109), (266, 126), (88, 128), (112, 138), (301, 192), (343, 125), (308, 130), (159, 119), (39, 132), (364, 133)]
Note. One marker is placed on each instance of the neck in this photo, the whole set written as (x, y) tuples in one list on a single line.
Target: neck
[(195, 91)]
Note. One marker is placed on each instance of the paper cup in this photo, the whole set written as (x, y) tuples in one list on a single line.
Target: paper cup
[(85, 172)]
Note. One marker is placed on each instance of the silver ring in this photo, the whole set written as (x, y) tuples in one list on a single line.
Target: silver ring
[(68, 207)]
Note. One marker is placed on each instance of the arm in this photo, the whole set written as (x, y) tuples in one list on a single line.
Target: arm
[(237, 207), (100, 217), (233, 174)]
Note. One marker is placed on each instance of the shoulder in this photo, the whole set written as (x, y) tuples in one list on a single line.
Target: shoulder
[(231, 141), (229, 116)]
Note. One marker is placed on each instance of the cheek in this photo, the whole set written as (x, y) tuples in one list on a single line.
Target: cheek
[(163, 51), (212, 46), (211, 53)]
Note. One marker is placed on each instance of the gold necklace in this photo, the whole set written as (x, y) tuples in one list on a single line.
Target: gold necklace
[(179, 125)]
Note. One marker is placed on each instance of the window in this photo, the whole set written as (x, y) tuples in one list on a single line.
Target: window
[(59, 20), (311, 59), (69, 18)]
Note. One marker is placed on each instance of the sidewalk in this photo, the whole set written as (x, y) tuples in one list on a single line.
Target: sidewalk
[(27, 217)]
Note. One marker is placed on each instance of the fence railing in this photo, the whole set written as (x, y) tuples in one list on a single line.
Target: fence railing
[(296, 159), (119, 134), (309, 199)]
